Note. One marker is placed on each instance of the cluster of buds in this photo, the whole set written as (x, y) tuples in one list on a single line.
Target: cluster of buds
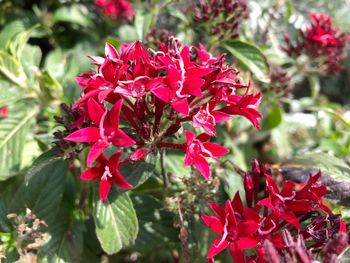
[(156, 38), (295, 249), (139, 100), (321, 42), (280, 81), (4, 111), (67, 149), (116, 9), (223, 16), (297, 208)]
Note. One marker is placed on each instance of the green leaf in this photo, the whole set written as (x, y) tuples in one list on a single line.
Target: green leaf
[(75, 14), (18, 42), (13, 134), (50, 87), (137, 173), (143, 20), (66, 241), (273, 117), (250, 56), (43, 188), (11, 69), (9, 31), (9, 94), (116, 222), (335, 173), (156, 225)]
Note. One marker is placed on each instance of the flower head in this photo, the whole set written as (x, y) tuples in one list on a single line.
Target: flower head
[(140, 99), (322, 42), (116, 9)]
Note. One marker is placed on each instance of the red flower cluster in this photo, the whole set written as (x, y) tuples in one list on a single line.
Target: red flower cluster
[(224, 16), (140, 99), (116, 9), (294, 207), (322, 42)]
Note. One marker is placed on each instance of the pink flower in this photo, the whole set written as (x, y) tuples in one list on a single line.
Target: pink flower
[(108, 173), (197, 149), (116, 9)]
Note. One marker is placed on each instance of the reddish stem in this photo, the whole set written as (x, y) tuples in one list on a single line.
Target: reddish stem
[(171, 145)]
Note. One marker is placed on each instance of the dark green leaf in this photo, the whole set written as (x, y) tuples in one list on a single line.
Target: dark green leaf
[(116, 222), (137, 173), (157, 229), (76, 14), (250, 56)]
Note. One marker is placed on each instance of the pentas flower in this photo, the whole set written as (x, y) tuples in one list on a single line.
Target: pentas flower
[(269, 213), (322, 42), (107, 172), (197, 149), (138, 100), (116, 9)]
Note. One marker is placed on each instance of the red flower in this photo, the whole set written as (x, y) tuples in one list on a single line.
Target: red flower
[(116, 9), (108, 173), (4, 111), (197, 149), (237, 226), (154, 93), (320, 40), (207, 119), (269, 216), (105, 131)]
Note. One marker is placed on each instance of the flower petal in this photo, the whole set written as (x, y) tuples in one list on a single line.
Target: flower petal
[(213, 223), (105, 187), (95, 151), (89, 134), (217, 246), (202, 165)]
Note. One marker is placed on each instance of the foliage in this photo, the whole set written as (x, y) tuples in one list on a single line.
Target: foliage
[(248, 58)]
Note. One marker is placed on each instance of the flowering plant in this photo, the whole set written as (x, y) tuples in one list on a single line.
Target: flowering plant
[(154, 93), (141, 153)]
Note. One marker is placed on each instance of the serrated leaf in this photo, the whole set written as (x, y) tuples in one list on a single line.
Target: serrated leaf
[(13, 134), (76, 14), (116, 222), (250, 56), (43, 188), (11, 69), (335, 173)]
